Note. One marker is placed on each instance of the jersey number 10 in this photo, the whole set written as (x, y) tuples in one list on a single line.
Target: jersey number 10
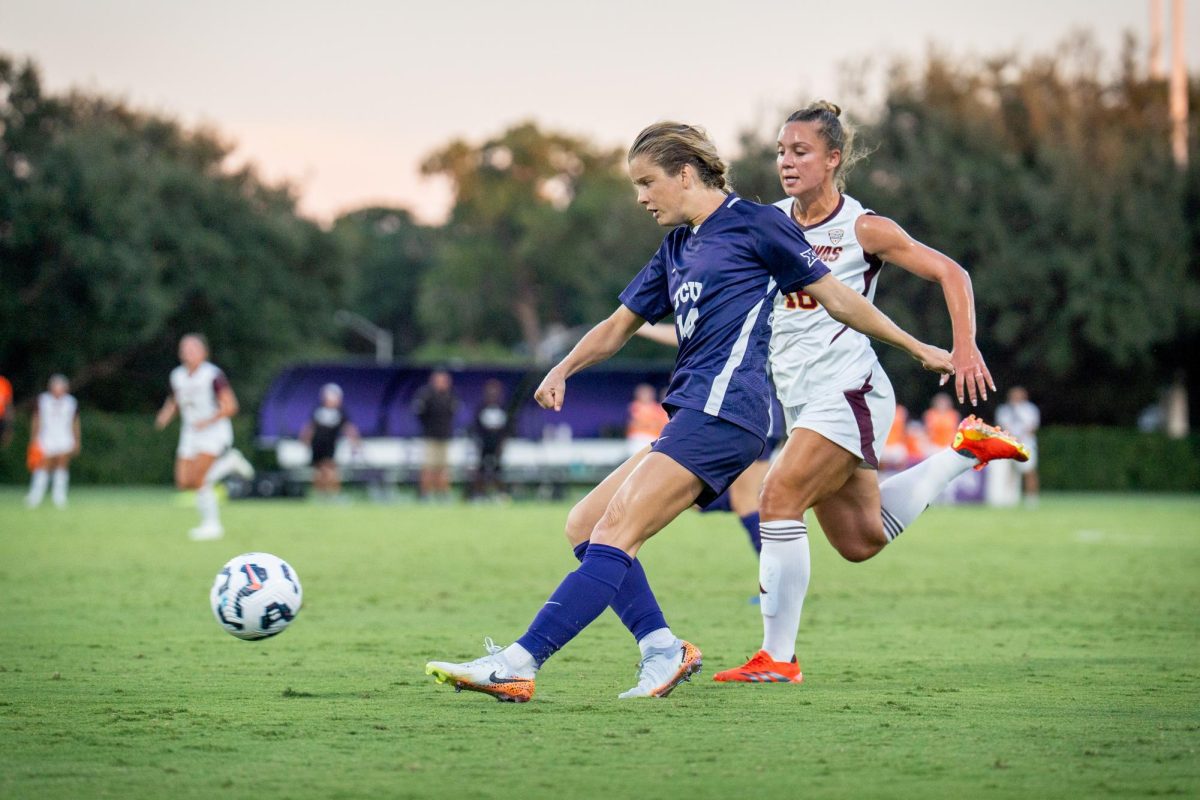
[(800, 300)]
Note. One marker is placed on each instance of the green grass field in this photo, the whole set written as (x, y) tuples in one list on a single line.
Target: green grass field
[(1024, 654)]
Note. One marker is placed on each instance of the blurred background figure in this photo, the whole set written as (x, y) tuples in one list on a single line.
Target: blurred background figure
[(56, 430), (490, 429), (1021, 418), (895, 449), (6, 397), (434, 407), (941, 422), (916, 442), (1175, 407), (646, 417), (201, 394), (321, 433)]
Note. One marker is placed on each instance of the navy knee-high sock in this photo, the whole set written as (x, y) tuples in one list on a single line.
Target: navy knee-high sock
[(750, 523), (635, 602), (579, 599)]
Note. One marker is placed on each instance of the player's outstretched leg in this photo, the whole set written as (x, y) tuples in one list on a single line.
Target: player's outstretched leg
[(576, 603), (663, 668), (903, 497), (493, 674)]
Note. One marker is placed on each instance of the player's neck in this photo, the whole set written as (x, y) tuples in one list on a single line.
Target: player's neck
[(705, 206), (812, 208)]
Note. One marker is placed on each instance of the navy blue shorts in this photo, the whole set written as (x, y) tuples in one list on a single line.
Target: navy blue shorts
[(713, 450)]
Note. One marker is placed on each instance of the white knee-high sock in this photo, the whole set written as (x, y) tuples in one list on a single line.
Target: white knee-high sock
[(783, 572), (904, 496), (62, 479), (37, 487), (206, 504), (220, 468)]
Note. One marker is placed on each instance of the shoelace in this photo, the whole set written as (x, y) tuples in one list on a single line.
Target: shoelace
[(492, 648), (980, 425)]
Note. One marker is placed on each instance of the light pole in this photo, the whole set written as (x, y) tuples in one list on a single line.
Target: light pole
[(381, 338)]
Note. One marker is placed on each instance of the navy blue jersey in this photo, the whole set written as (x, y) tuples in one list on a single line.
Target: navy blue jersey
[(719, 282)]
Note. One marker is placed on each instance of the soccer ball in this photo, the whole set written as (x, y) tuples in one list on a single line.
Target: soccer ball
[(256, 595)]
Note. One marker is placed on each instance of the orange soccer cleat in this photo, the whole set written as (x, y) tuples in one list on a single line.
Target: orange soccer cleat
[(987, 442), (761, 668)]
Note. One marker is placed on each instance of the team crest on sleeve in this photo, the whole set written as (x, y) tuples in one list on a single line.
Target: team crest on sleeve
[(835, 236), (810, 258)]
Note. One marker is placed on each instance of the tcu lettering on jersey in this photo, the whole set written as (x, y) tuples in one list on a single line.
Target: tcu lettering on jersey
[(685, 322)]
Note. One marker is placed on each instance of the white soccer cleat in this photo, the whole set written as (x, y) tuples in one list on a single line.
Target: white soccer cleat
[(206, 532), (239, 466), (662, 669), (491, 674)]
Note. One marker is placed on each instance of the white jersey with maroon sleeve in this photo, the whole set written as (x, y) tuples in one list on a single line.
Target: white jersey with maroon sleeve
[(811, 353), (827, 376), (56, 423), (196, 396)]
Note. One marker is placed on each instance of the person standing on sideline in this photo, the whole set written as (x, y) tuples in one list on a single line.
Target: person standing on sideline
[(490, 429), (1022, 418), (941, 422), (321, 433), (646, 416), (717, 271), (56, 430), (201, 394), (435, 406), (6, 397)]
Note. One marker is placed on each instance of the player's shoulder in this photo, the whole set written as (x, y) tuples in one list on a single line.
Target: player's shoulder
[(751, 209), (852, 207), (210, 370), (762, 218)]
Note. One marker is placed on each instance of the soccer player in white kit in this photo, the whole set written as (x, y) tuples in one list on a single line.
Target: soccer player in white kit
[(201, 394), (838, 401), (1023, 418), (57, 432)]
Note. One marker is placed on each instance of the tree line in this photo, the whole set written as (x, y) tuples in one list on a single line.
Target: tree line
[(1048, 177)]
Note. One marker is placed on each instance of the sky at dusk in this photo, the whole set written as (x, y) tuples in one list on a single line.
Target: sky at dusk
[(344, 99)]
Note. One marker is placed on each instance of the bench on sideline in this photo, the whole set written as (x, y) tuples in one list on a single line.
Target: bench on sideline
[(394, 461)]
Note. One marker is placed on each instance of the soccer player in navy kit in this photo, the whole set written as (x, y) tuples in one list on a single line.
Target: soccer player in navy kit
[(717, 271)]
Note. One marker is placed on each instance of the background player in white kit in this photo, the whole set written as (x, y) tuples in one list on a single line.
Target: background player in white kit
[(838, 401), (206, 402), (1023, 418), (57, 432)]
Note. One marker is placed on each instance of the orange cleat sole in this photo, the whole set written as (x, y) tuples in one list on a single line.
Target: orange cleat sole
[(511, 691)]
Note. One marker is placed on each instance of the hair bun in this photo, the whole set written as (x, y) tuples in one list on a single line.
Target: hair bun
[(825, 105)]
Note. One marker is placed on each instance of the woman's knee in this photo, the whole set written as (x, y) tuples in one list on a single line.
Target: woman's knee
[(779, 501), (580, 522), (615, 528)]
